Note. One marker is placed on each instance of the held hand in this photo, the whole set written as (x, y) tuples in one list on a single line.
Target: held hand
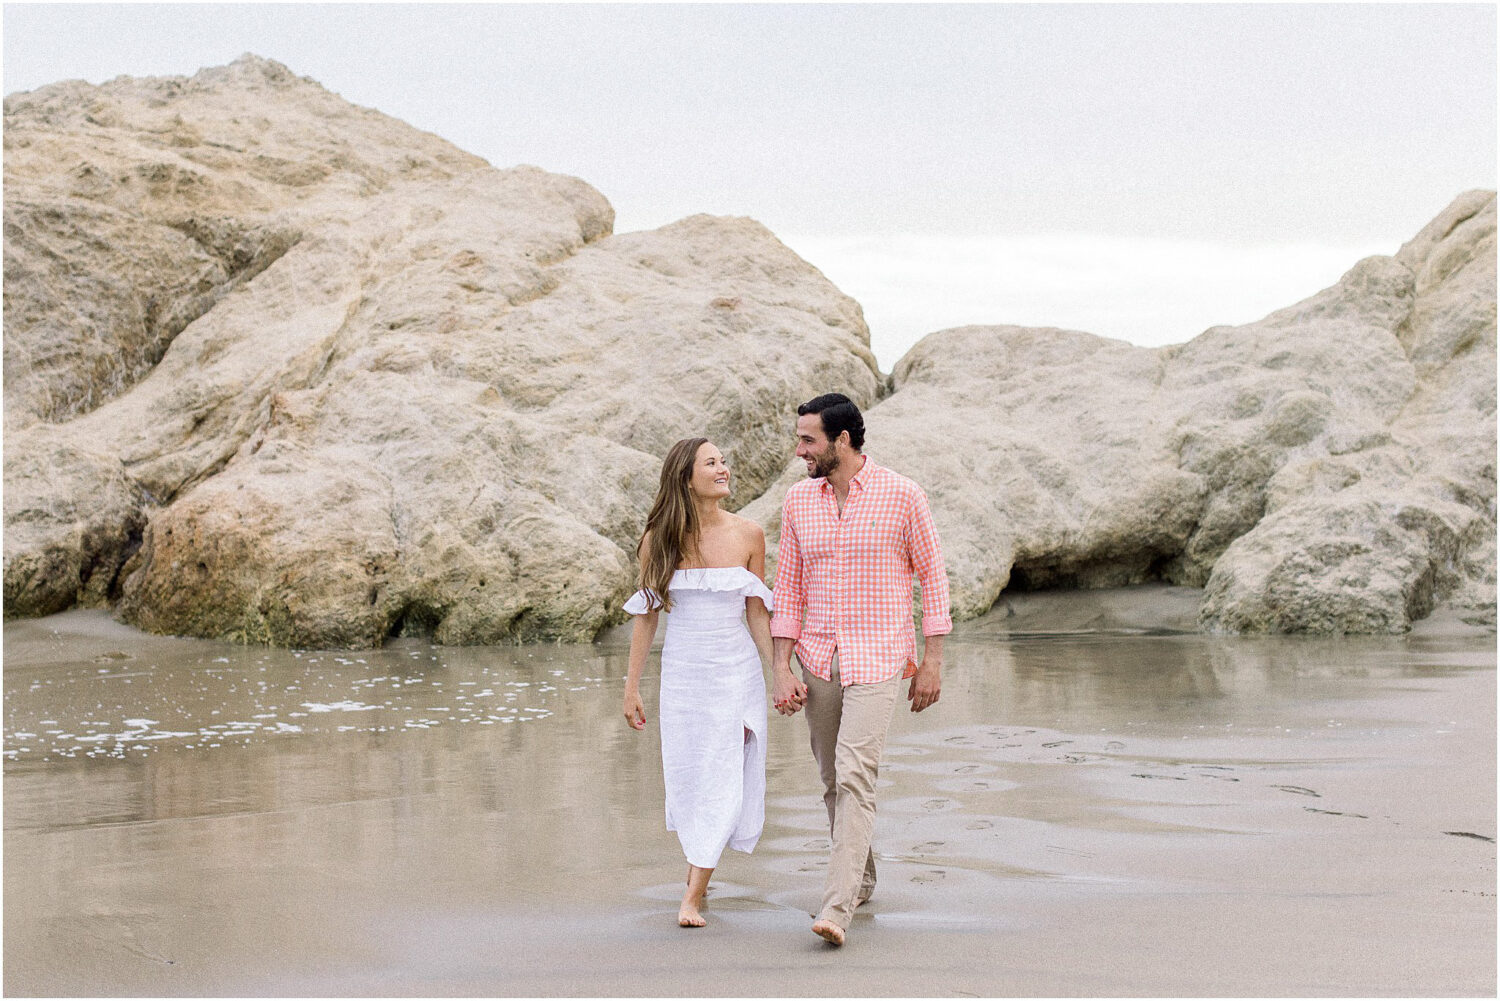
[(635, 712), (926, 684), (787, 693)]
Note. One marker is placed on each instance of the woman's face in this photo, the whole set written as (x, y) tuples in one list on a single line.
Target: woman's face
[(710, 479)]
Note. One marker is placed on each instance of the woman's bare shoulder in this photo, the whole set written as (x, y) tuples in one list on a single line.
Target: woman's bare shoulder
[(747, 528), (752, 539)]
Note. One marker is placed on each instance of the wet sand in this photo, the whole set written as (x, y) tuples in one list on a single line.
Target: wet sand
[(1098, 806)]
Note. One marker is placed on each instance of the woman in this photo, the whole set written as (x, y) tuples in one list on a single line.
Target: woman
[(704, 565)]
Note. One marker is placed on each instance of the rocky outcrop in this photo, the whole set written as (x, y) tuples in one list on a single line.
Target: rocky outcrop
[(1388, 506), (1327, 469), (439, 409), (133, 207), (283, 370)]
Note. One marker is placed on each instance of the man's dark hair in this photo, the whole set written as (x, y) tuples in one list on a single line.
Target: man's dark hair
[(839, 414)]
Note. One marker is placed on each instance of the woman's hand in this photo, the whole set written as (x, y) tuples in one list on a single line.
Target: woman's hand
[(787, 693), (635, 712)]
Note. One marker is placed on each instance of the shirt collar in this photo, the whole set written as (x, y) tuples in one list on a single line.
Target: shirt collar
[(862, 477), (865, 472)]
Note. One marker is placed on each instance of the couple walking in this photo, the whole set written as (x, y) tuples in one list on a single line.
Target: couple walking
[(852, 536)]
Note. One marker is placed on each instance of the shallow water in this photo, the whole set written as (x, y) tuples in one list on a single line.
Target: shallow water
[(190, 817)]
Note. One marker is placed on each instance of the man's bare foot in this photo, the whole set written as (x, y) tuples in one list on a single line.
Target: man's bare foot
[(688, 916), (828, 932)]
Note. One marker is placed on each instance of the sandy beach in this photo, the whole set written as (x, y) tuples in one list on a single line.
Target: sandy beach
[(1098, 806), (347, 353)]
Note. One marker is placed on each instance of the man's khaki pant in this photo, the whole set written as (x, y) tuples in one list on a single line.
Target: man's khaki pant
[(847, 727)]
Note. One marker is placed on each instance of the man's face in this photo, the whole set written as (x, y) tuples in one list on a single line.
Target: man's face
[(813, 446)]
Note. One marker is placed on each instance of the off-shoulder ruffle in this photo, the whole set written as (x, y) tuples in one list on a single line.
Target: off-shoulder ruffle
[(641, 602), (738, 580)]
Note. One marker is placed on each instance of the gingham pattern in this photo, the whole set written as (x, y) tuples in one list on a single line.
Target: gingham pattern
[(845, 583)]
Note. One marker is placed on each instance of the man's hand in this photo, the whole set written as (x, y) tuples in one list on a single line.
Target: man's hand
[(927, 683), (787, 693)]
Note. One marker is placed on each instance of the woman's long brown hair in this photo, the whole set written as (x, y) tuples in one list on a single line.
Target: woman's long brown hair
[(672, 526)]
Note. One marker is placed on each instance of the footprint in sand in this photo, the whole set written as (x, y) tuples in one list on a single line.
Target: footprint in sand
[(930, 876), (937, 804), (1074, 852), (817, 844), (965, 769), (959, 740), (1114, 745), (133, 932), (1469, 834), (1299, 790), (978, 825), (1144, 775), (1334, 813), (1057, 743), (927, 846)]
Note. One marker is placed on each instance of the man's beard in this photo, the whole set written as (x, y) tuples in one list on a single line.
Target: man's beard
[(824, 464)]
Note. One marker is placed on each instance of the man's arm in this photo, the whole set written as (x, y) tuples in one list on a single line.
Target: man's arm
[(937, 617), (932, 572)]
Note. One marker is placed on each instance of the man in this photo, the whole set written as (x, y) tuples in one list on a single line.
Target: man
[(852, 535)]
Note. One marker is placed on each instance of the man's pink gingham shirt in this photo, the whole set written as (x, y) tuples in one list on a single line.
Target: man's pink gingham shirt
[(844, 583)]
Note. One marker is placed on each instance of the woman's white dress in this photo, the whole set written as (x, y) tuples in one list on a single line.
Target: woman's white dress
[(712, 692)]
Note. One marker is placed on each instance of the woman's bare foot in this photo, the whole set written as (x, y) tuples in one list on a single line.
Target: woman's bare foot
[(688, 915), (828, 932)]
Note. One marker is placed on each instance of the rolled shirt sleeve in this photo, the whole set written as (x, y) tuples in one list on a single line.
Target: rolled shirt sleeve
[(927, 563)]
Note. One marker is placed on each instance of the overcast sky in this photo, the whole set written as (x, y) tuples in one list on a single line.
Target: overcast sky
[(1137, 171)]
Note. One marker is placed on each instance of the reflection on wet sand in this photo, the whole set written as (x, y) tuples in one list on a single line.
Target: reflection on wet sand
[(190, 818)]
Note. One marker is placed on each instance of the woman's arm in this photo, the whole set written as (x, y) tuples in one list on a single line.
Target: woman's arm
[(642, 633), (756, 616), (788, 694)]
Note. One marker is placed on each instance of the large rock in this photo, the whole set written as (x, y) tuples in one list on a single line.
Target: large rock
[(439, 408), (1388, 506), (284, 370), (1327, 469), (133, 207)]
